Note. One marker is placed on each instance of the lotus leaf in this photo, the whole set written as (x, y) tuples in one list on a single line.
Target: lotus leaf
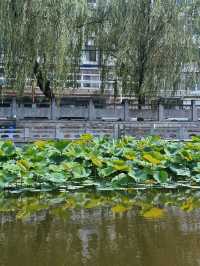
[(150, 158), (96, 161), (121, 180), (180, 171), (106, 172), (161, 176)]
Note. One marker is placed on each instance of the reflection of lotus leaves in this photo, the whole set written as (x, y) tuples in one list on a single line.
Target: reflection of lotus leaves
[(188, 205), (119, 208), (154, 213), (147, 202)]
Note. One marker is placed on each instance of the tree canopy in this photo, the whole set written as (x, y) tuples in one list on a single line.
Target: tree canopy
[(143, 44), (149, 41), (41, 38)]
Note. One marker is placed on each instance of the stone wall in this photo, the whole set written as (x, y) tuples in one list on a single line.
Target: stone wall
[(26, 131)]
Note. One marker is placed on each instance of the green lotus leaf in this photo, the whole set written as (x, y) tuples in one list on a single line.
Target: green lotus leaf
[(28, 179), (120, 165), (55, 168), (196, 139), (106, 172), (68, 166), (87, 137), (161, 176), (129, 155), (148, 157), (2, 153), (8, 149), (11, 167), (97, 161), (121, 180), (181, 171), (40, 144), (187, 155), (80, 172), (196, 178), (56, 178), (197, 168), (193, 146), (61, 144), (141, 176)]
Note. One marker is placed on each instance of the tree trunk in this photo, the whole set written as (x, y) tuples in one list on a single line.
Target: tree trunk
[(141, 101), (42, 83), (143, 49)]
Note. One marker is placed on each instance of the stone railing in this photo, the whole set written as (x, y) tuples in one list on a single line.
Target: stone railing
[(28, 131), (111, 112)]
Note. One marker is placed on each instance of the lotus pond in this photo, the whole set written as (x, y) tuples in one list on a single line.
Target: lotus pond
[(97, 201), (140, 228), (100, 164)]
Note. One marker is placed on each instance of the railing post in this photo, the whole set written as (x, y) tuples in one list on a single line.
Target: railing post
[(116, 131), (58, 134), (91, 111), (54, 109), (20, 111), (34, 108), (126, 111), (121, 130), (194, 111), (161, 112), (26, 133), (14, 108), (183, 134)]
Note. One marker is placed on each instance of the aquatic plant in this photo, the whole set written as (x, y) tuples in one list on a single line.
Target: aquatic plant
[(100, 164)]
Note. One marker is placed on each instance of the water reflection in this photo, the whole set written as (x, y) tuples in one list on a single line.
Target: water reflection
[(58, 235)]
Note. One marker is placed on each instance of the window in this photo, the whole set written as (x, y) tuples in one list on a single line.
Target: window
[(91, 81), (90, 50), (86, 81)]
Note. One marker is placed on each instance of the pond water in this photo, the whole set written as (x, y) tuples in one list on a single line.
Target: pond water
[(153, 229)]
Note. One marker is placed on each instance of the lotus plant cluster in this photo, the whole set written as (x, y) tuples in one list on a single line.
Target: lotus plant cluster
[(100, 164)]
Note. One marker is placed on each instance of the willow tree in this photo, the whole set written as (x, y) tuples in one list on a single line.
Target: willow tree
[(148, 41), (143, 44), (41, 41)]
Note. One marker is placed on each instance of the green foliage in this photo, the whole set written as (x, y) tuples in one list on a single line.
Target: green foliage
[(150, 41), (147, 41), (45, 31), (100, 163)]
